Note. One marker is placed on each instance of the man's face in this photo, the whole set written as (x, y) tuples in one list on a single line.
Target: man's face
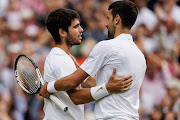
[(110, 25), (74, 35)]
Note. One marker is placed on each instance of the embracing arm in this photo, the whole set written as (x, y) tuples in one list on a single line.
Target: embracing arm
[(81, 96), (90, 82), (71, 81), (64, 84)]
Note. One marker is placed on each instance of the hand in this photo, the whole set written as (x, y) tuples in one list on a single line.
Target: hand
[(43, 92), (116, 85)]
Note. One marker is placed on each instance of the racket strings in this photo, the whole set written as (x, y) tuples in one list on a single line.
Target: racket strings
[(27, 83), (27, 75)]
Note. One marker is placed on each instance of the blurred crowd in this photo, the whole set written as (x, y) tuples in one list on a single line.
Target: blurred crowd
[(156, 33)]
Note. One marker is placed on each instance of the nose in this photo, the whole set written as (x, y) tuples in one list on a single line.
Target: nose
[(81, 29)]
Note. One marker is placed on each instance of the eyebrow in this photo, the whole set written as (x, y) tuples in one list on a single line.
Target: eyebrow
[(76, 25)]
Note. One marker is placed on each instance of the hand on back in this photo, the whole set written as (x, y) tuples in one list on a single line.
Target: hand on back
[(116, 85)]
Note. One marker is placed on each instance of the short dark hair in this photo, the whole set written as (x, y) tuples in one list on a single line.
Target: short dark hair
[(60, 18), (126, 10)]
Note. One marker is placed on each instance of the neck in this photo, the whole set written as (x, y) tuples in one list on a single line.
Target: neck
[(120, 31), (64, 47)]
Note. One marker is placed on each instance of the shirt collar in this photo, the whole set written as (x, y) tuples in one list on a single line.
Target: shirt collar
[(57, 50), (124, 36)]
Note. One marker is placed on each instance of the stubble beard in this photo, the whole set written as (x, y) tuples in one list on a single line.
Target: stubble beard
[(70, 41), (111, 32)]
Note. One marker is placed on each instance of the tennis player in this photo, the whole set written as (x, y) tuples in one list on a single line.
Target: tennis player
[(64, 26), (119, 52)]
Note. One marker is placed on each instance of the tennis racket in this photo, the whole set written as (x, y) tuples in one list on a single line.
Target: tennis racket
[(30, 80)]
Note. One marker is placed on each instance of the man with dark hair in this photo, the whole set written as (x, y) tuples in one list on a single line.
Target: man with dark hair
[(61, 18), (64, 26), (119, 52)]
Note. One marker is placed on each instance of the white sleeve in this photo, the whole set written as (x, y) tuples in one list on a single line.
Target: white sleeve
[(96, 60)]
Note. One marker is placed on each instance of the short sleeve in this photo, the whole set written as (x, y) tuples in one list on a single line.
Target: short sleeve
[(96, 60), (63, 66), (58, 67)]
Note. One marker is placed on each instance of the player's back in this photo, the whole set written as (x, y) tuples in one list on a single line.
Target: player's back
[(123, 54)]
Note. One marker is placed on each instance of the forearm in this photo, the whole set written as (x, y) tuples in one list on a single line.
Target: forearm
[(80, 96), (71, 81), (114, 85), (90, 82)]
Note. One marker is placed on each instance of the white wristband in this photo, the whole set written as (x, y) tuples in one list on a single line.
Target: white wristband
[(51, 88), (99, 92)]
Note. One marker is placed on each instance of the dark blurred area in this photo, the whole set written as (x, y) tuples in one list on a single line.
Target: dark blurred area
[(156, 33)]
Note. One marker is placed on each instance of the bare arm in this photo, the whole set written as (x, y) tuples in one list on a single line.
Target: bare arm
[(90, 82), (71, 81), (79, 96), (66, 83)]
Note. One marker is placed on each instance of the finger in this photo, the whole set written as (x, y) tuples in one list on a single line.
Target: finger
[(127, 81), (40, 94), (125, 89), (114, 72), (47, 96), (44, 96), (126, 85), (126, 77)]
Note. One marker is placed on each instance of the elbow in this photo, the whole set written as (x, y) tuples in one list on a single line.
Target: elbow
[(74, 96), (76, 100)]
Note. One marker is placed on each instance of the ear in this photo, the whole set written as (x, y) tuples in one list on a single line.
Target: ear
[(117, 19), (62, 33)]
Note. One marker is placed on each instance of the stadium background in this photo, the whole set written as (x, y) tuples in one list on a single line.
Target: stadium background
[(156, 33)]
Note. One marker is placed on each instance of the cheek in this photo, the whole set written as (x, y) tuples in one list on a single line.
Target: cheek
[(73, 34)]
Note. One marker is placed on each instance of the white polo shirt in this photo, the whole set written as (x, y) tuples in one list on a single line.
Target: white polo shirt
[(121, 53), (57, 65)]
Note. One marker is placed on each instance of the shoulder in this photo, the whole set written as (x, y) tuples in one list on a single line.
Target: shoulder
[(54, 59), (103, 45), (56, 54)]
